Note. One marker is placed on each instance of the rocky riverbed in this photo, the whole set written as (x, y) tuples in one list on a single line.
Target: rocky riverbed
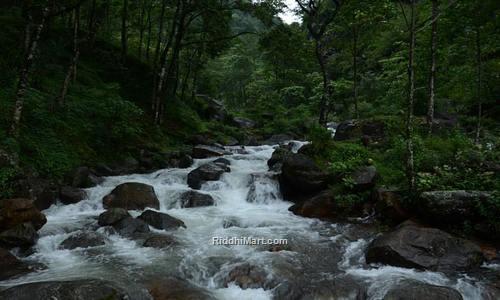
[(149, 236)]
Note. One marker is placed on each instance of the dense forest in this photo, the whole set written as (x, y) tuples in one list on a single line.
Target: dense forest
[(393, 102)]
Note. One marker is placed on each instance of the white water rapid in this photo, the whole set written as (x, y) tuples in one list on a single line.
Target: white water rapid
[(317, 252)]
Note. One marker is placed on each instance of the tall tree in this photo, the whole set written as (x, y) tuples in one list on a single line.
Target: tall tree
[(124, 31), (410, 99), (318, 15), (71, 72), (23, 83), (432, 79)]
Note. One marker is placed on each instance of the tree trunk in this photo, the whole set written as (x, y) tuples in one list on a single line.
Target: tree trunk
[(124, 36), (158, 73), (432, 80), (355, 70), (410, 169), (71, 73), (141, 27), (479, 85), (324, 97), (23, 83), (148, 42)]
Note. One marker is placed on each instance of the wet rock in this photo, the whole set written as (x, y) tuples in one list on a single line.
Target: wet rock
[(389, 205), (262, 189), (132, 196), (321, 206), (301, 177), (204, 151), (103, 170), (415, 290), (223, 161), (206, 172), (44, 193), (230, 222), (277, 139), (67, 290), (413, 246), (172, 288), (277, 158), (336, 289), (129, 227), (71, 195), (243, 122), (364, 178), (179, 160), (195, 199), (17, 211), (231, 142), (83, 239), (247, 276), (159, 241), (10, 266), (22, 235), (112, 216), (161, 220), (442, 207), (82, 177)]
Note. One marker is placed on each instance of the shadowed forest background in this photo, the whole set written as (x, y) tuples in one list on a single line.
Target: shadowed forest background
[(93, 82)]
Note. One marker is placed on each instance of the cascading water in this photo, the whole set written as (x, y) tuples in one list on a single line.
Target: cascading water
[(248, 204)]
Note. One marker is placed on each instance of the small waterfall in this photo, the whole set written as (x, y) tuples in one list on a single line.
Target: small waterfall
[(247, 204)]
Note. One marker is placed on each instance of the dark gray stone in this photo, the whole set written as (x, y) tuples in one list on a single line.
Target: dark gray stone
[(161, 220)]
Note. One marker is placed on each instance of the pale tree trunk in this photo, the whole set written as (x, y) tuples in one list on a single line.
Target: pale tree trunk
[(23, 83), (158, 74), (479, 84), (71, 73), (432, 80), (150, 25), (124, 31), (410, 168), (325, 97), (355, 70), (141, 27)]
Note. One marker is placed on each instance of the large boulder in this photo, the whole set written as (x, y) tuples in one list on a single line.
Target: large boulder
[(205, 172), (159, 241), (71, 195), (416, 290), (452, 206), (132, 196), (364, 178), (389, 205), (130, 227), (161, 220), (84, 239), (172, 288), (301, 177), (204, 151), (22, 235), (82, 177), (336, 289), (276, 161), (195, 199), (17, 211), (414, 246), (67, 290), (112, 216), (321, 206), (10, 266), (247, 276)]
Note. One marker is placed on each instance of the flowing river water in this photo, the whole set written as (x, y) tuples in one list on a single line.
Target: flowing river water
[(318, 253)]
